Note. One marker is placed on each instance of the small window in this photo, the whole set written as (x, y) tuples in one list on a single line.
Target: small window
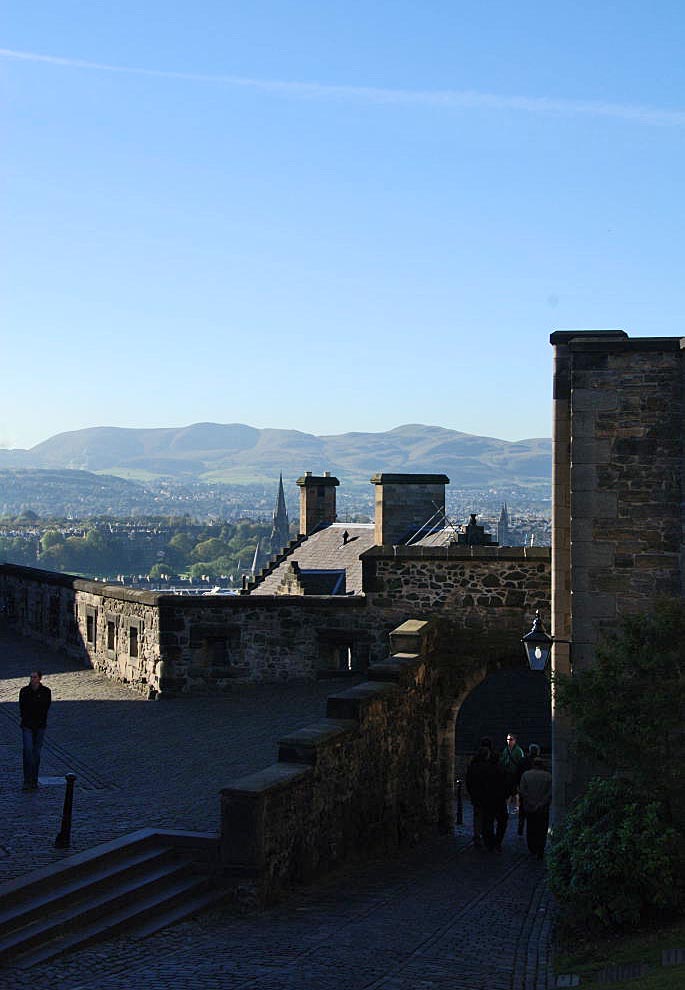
[(337, 653), (342, 657), (133, 641), (90, 628), (111, 635), (221, 650)]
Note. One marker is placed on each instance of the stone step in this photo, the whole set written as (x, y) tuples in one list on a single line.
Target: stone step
[(189, 906), (173, 901), (151, 878), (39, 901), (93, 903), (51, 877)]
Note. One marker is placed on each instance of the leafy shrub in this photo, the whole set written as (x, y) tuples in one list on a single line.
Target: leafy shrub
[(614, 861), (628, 705)]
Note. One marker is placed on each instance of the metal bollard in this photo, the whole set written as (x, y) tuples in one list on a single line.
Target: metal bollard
[(460, 805), (64, 837)]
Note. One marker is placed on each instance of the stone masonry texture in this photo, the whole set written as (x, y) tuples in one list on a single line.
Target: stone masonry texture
[(625, 424), (619, 482), (483, 599)]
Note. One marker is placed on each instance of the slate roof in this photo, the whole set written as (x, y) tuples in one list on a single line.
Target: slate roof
[(325, 551), (323, 555)]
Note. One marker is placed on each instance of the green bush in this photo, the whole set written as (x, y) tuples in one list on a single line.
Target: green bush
[(614, 861), (628, 707)]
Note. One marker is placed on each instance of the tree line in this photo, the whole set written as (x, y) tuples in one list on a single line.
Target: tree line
[(161, 548)]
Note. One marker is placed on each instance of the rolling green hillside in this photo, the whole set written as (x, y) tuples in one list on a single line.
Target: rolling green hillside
[(240, 454)]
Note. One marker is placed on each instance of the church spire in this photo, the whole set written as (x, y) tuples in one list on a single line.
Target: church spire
[(280, 530), (503, 537)]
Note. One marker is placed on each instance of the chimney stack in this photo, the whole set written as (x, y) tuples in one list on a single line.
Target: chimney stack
[(404, 503), (317, 501)]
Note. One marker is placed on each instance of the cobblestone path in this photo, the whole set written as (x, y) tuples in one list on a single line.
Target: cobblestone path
[(442, 915)]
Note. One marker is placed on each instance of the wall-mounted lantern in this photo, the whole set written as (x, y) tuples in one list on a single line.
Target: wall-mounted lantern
[(537, 644)]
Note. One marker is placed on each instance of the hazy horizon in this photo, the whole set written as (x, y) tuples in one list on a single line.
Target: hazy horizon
[(183, 426)]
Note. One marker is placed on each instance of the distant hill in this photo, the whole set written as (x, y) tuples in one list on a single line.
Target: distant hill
[(240, 454), (69, 493)]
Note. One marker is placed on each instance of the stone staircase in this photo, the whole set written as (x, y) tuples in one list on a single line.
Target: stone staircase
[(139, 883)]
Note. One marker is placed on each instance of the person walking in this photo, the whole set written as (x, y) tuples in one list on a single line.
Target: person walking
[(526, 764), (511, 758), (476, 785), (535, 791), (492, 791), (34, 701)]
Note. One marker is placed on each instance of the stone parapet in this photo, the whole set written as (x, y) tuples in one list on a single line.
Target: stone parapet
[(166, 645), (364, 779), (484, 598)]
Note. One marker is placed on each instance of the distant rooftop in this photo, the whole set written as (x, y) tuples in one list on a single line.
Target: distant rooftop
[(327, 552)]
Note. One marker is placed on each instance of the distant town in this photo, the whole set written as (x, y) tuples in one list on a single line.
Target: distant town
[(199, 536)]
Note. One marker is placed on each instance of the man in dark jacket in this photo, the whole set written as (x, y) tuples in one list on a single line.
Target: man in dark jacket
[(34, 701), (476, 787), (487, 786)]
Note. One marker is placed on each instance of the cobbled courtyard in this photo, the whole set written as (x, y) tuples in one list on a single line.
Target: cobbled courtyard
[(442, 915)]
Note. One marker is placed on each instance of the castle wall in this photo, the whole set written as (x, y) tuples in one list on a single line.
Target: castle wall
[(366, 777), (178, 644), (262, 638), (619, 414), (115, 630), (485, 597)]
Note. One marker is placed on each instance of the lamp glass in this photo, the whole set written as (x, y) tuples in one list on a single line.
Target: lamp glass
[(538, 655)]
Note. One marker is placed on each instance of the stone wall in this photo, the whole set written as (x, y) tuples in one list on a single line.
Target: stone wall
[(625, 479), (159, 643), (114, 629), (260, 638), (618, 495), (177, 644), (484, 597), (366, 777)]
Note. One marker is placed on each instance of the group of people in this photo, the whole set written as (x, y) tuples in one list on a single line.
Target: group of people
[(509, 782)]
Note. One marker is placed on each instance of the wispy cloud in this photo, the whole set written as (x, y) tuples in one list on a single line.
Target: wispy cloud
[(448, 99)]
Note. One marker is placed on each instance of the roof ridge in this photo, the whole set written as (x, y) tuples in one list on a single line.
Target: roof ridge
[(273, 563)]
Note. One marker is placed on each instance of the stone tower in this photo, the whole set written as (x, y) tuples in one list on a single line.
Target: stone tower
[(280, 530), (618, 523)]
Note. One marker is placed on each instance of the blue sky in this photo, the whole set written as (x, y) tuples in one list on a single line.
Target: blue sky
[(329, 216)]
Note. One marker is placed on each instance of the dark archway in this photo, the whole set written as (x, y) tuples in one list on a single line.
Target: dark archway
[(488, 698), (509, 699)]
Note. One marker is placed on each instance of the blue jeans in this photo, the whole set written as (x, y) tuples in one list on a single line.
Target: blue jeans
[(33, 742)]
